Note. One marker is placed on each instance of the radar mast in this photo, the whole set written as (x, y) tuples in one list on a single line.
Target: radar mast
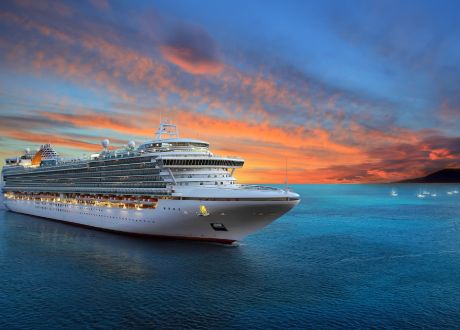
[(170, 130)]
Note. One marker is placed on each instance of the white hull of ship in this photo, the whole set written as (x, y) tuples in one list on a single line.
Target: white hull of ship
[(171, 218)]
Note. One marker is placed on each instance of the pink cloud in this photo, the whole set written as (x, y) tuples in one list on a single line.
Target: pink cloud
[(441, 153)]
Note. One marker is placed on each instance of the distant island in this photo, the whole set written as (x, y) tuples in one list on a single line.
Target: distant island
[(448, 175)]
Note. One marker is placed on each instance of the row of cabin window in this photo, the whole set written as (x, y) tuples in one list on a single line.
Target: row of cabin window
[(56, 172), (202, 162), (120, 161), (140, 178), (203, 175), (73, 169), (203, 183), (122, 167), (94, 215), (139, 174), (91, 185)]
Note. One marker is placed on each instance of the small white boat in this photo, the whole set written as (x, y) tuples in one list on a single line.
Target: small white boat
[(394, 193), (450, 193), (421, 193)]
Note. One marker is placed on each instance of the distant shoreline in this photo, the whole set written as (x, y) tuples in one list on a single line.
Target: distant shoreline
[(448, 175)]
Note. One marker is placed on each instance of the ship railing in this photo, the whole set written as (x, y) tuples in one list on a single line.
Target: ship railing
[(256, 187), (121, 153), (237, 186), (61, 165), (180, 149), (165, 191), (201, 156)]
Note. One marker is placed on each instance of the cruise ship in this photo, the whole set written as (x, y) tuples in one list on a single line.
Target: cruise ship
[(166, 187)]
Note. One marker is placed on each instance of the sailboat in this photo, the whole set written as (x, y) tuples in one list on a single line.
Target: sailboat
[(421, 194)]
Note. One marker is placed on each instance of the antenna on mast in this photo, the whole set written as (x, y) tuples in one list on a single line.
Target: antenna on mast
[(286, 186), (167, 129)]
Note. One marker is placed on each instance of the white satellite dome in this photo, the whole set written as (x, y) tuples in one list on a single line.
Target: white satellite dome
[(105, 143), (27, 151), (131, 144)]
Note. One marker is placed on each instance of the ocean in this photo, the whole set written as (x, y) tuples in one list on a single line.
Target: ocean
[(349, 256)]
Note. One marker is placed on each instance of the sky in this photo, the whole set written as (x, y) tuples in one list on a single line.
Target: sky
[(341, 91)]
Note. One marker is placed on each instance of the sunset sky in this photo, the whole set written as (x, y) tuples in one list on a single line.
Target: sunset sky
[(345, 91)]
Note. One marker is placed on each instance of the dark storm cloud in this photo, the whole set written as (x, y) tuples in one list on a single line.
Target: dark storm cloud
[(193, 50)]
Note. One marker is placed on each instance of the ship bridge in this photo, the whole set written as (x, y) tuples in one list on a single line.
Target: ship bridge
[(174, 144), (167, 139)]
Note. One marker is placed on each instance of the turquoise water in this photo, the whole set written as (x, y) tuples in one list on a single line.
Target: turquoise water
[(347, 256)]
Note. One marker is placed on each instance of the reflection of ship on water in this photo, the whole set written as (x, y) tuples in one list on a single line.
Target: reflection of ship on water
[(98, 250), (117, 256), (2, 204)]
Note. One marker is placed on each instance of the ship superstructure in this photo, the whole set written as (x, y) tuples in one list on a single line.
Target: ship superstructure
[(168, 186)]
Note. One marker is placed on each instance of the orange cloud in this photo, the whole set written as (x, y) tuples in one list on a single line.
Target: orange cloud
[(213, 127), (98, 121), (118, 61), (264, 147), (38, 138), (312, 155), (380, 173), (187, 61), (296, 136), (192, 49)]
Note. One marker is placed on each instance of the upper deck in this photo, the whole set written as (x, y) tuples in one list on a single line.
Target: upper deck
[(157, 164), (172, 147)]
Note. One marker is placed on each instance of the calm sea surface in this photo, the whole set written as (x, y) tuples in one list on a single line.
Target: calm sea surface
[(347, 256)]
